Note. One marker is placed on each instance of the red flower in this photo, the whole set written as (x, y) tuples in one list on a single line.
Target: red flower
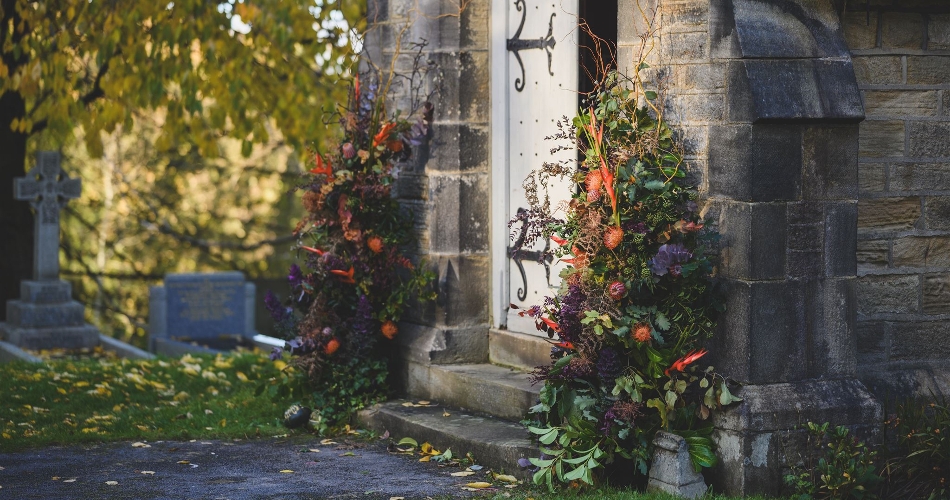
[(681, 363), (356, 86), (559, 241), (389, 330), (551, 324), (321, 167), (313, 250), (383, 134), (345, 276), (565, 345)]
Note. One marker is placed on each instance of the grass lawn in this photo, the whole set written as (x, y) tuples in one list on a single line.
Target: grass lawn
[(193, 397)]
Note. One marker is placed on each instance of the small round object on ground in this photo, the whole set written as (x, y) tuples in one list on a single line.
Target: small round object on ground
[(296, 416)]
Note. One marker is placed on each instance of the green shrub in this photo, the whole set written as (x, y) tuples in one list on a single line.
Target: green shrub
[(919, 465), (846, 470)]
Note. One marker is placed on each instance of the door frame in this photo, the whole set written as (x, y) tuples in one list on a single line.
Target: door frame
[(498, 68)]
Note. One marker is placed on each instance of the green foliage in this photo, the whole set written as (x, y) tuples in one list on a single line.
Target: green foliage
[(191, 397), (919, 465), (636, 304), (219, 68), (846, 470)]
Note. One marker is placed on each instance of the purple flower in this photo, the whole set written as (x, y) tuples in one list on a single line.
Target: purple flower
[(274, 307), (276, 353), (667, 257), (691, 206), (295, 277), (635, 227)]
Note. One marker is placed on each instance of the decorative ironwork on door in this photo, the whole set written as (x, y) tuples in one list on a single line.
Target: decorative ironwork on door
[(516, 44), (518, 254)]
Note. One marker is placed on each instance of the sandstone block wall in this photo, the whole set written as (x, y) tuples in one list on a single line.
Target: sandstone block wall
[(447, 184), (901, 54)]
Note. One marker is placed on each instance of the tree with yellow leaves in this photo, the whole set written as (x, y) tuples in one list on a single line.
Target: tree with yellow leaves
[(244, 69)]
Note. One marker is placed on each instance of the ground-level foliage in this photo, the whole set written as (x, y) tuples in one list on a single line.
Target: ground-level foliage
[(86, 400)]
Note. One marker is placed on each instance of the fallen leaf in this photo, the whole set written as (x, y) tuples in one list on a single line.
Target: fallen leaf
[(384, 436), (141, 427), (112, 483), (55, 478), (408, 441), (397, 498), (425, 458), (478, 484), (348, 454), (511, 486), (286, 471), (148, 472), (326, 442), (464, 473), (408, 404), (184, 462), (208, 412), (475, 467), (423, 403), (313, 450), (73, 480), (139, 444), (505, 477)]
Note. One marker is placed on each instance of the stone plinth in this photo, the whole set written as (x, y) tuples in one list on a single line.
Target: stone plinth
[(672, 470), (46, 317)]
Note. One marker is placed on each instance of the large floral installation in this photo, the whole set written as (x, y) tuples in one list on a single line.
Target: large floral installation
[(636, 302), (355, 279)]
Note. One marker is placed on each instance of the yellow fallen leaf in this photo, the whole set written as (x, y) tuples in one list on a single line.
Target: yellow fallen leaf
[(184, 462), (242, 377), (408, 405), (112, 483), (478, 485), (326, 442), (425, 458), (397, 498), (61, 390), (505, 477), (463, 473), (223, 422), (141, 445), (286, 471), (141, 427), (446, 414), (148, 472), (427, 449), (181, 396), (313, 450), (55, 478), (280, 365), (423, 403), (208, 412), (6, 435)]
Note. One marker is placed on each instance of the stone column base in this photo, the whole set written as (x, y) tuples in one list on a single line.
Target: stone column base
[(763, 436), (53, 337)]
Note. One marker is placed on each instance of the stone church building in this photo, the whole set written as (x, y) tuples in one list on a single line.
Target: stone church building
[(818, 132)]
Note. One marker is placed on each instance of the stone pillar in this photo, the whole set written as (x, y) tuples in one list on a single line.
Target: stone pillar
[(764, 97), (446, 186)]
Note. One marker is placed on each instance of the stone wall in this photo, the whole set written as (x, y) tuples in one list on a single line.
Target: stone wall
[(764, 98), (901, 53), (447, 185)]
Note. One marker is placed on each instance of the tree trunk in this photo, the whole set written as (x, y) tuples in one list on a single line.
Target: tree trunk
[(16, 217)]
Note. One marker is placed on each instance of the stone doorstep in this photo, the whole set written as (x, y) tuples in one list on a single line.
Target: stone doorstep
[(490, 389), (518, 350), (496, 444)]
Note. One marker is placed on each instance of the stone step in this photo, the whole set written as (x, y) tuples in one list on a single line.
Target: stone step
[(518, 350), (484, 388), (495, 443)]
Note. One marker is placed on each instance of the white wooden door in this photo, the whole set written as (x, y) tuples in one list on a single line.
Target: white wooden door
[(540, 62)]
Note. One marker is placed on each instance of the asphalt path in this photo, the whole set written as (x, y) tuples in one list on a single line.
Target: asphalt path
[(265, 468)]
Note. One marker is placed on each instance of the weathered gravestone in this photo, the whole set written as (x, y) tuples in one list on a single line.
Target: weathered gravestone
[(201, 312), (46, 317)]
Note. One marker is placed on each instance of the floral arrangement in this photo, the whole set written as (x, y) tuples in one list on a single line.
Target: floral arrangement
[(355, 280), (636, 302)]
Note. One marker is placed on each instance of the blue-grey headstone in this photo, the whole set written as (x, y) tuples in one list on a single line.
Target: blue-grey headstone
[(208, 305)]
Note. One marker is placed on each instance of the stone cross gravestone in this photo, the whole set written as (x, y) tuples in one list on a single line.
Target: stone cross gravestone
[(210, 309), (46, 317)]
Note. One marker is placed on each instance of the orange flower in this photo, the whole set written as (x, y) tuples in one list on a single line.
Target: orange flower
[(612, 237), (565, 345), (375, 243), (331, 346), (579, 261), (389, 330), (383, 134), (642, 332), (313, 250), (681, 363), (345, 276)]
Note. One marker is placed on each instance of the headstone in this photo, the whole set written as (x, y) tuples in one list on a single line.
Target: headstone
[(46, 317), (672, 470), (207, 309)]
